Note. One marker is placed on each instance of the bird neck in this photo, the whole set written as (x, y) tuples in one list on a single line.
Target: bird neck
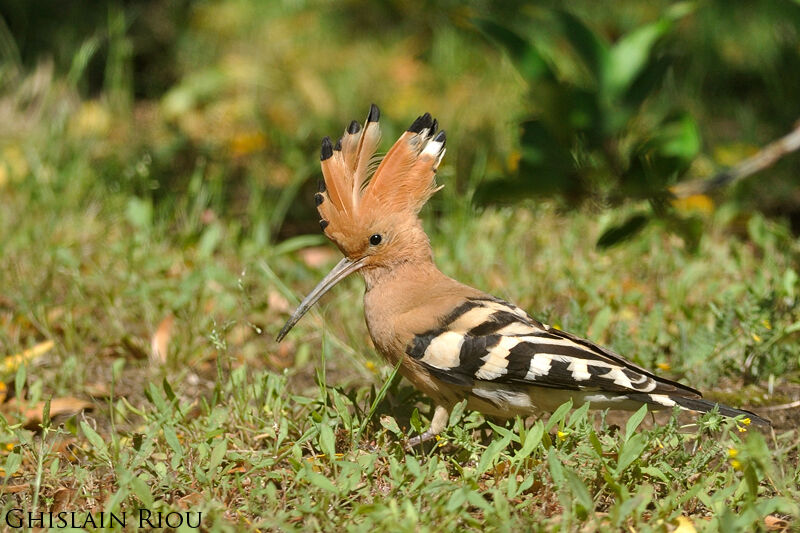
[(410, 269)]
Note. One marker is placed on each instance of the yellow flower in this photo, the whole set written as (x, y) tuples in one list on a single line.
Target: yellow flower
[(695, 203), (741, 429), (513, 160), (755, 337), (246, 143), (93, 119), (746, 421), (562, 436), (766, 324), (732, 452), (736, 464), (663, 366)]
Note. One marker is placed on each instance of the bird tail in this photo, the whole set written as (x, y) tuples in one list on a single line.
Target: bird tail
[(697, 404)]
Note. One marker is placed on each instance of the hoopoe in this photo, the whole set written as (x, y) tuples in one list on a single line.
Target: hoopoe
[(454, 342)]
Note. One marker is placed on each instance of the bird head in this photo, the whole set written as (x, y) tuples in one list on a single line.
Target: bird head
[(368, 205)]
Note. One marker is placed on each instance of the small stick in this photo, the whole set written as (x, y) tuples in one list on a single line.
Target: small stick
[(764, 158), (780, 407)]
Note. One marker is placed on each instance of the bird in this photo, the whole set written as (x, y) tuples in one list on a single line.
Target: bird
[(451, 341)]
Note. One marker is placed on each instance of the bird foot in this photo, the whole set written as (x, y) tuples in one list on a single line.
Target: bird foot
[(419, 439)]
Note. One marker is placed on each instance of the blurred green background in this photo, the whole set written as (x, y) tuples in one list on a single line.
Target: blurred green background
[(165, 95)]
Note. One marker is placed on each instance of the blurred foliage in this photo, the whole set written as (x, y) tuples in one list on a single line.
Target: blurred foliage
[(615, 121), (226, 100)]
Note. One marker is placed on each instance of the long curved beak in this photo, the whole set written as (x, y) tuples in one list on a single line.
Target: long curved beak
[(344, 268)]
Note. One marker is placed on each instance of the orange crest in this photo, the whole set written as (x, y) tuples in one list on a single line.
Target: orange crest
[(359, 187)]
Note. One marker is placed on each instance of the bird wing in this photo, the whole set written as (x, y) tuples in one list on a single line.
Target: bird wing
[(490, 340)]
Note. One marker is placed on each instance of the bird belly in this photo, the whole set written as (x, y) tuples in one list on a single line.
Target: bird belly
[(506, 401)]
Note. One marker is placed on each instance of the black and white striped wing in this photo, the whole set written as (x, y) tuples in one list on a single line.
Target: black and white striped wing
[(489, 340)]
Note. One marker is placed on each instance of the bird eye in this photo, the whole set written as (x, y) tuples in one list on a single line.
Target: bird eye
[(375, 240)]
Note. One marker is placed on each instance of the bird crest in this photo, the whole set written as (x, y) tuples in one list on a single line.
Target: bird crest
[(360, 186)]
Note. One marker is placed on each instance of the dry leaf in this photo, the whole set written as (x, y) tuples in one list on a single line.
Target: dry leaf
[(159, 344), (277, 302), (284, 357), (61, 499), (773, 523), (12, 362), (54, 314), (67, 406), (190, 501), (97, 390), (12, 489)]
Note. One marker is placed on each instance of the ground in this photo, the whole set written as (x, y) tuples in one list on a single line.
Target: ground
[(169, 393)]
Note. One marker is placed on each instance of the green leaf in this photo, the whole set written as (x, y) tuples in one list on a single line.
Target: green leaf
[(209, 240), (579, 490), (321, 481), (597, 446), (525, 57), (217, 455), (789, 283), (532, 440), (621, 511), (13, 462), (592, 50), (558, 415), (634, 421), (652, 471), (415, 422), (142, 491), (600, 322), (631, 54), (646, 82), (680, 138), (168, 390), (492, 452), (94, 439), (172, 439), (555, 467), (327, 441), (139, 213), (20, 378), (500, 430), (617, 234), (379, 398), (630, 451), (456, 500), (299, 242), (46, 414), (390, 424)]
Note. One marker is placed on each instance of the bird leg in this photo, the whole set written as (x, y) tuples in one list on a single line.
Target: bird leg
[(440, 417)]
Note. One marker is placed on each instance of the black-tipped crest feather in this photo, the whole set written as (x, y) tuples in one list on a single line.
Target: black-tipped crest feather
[(422, 122), (374, 113), (327, 149)]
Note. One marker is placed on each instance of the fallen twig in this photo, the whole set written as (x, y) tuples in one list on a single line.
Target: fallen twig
[(781, 407), (764, 158)]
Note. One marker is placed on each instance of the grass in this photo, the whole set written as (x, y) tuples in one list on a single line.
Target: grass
[(159, 245), (309, 434)]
